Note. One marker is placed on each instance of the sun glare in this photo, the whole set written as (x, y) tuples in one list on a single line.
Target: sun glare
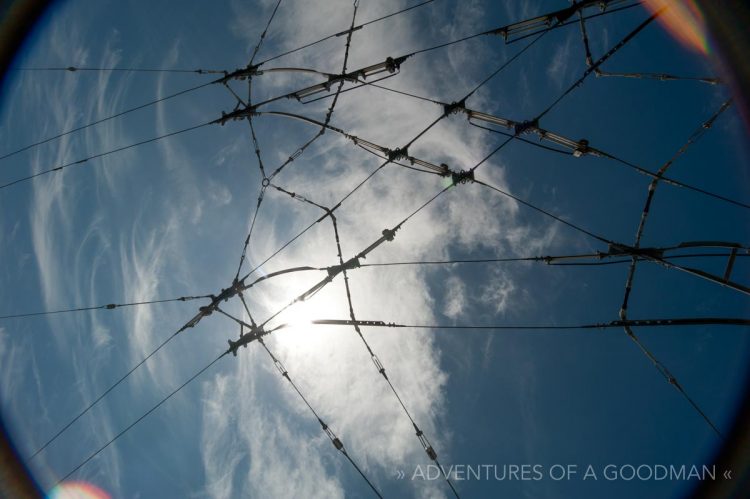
[(300, 332)]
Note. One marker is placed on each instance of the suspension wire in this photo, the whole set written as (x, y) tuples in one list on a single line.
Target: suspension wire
[(590, 149), (256, 147), (495, 31), (521, 139), (640, 76), (342, 33), (221, 80), (109, 306), (395, 155), (263, 35), (549, 260), (102, 395), (401, 59), (614, 324), (250, 231), (601, 60), (671, 379), (141, 418), (567, 23), (204, 311), (621, 324), (329, 114), (388, 235), (585, 39), (508, 62), (102, 120), (267, 179), (694, 137), (103, 154), (632, 166), (546, 213), (428, 448), (73, 69), (337, 443), (661, 77)]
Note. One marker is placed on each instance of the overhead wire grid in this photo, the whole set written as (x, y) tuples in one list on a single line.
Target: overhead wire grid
[(529, 33)]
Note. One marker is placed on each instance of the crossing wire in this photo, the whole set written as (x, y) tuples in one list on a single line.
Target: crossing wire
[(637, 75), (599, 152), (141, 418), (102, 120), (626, 323), (182, 92), (337, 443), (697, 134), (220, 80), (108, 306), (428, 448), (103, 154)]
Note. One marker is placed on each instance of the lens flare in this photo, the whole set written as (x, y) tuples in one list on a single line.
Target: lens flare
[(684, 21), (77, 490)]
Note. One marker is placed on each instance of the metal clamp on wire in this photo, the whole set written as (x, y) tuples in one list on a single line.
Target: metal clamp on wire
[(623, 249), (397, 154), (454, 107), (350, 264), (582, 148), (462, 177), (526, 126), (238, 114), (254, 334), (240, 74)]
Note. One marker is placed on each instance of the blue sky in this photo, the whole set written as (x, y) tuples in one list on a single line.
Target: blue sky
[(169, 219)]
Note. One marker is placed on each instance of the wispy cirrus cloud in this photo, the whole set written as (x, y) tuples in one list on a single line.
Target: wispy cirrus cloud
[(331, 365)]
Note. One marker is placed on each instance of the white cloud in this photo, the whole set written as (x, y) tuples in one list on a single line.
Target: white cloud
[(331, 365), (560, 68), (455, 297)]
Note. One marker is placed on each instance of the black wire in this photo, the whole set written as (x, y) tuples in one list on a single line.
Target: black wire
[(549, 260), (567, 23), (107, 153), (104, 394), (376, 361), (141, 418), (432, 124), (102, 120), (73, 69), (331, 435), (109, 306), (546, 213), (344, 32), (600, 61), (263, 35), (628, 164), (672, 322)]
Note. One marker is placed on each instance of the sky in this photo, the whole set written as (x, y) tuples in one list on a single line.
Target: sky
[(169, 218)]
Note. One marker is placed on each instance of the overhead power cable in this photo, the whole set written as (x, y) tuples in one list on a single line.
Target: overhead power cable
[(394, 155), (73, 69), (342, 33), (426, 445), (337, 443), (601, 61), (102, 120), (635, 75), (263, 34), (141, 418), (109, 306), (666, 322), (228, 75), (103, 154)]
